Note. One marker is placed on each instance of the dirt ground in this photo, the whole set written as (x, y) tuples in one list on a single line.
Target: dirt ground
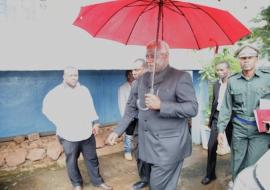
[(119, 173)]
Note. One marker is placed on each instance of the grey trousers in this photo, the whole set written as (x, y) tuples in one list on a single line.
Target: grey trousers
[(143, 167), (165, 177), (88, 149)]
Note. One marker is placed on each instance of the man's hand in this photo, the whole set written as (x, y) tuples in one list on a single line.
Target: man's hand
[(111, 139), (221, 138), (152, 101), (95, 129)]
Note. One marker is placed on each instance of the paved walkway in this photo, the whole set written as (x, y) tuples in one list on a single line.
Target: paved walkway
[(119, 173)]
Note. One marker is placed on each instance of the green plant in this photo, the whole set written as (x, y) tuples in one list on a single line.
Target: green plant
[(261, 34), (208, 71)]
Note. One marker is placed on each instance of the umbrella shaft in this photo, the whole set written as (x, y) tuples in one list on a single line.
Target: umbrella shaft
[(154, 70), (160, 5)]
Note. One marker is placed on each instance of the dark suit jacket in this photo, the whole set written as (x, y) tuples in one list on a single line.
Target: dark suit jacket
[(216, 87), (163, 134)]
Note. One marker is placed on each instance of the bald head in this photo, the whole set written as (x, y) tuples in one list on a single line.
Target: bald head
[(161, 46), (71, 76), (162, 59), (140, 67)]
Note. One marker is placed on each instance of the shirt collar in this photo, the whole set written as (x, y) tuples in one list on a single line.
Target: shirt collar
[(68, 87), (221, 82), (159, 77), (258, 73)]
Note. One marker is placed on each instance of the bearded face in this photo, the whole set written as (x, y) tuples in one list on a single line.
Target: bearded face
[(161, 61)]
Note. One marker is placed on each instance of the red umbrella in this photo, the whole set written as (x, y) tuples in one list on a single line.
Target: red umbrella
[(180, 24)]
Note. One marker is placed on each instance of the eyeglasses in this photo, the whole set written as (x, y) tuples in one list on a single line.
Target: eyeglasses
[(152, 55)]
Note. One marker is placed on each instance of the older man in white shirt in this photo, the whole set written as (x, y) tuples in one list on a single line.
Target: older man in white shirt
[(70, 107)]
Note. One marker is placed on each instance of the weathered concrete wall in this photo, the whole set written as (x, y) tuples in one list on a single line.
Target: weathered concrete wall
[(33, 151)]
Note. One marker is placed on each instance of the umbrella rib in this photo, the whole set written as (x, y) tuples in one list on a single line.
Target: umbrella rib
[(145, 1), (150, 8), (214, 21), (173, 10), (101, 27), (143, 11), (162, 19), (141, 5), (181, 12)]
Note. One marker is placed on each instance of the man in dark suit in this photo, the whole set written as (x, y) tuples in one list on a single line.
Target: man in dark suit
[(219, 88), (164, 138)]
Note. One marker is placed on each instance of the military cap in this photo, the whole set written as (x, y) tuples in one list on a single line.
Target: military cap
[(247, 51)]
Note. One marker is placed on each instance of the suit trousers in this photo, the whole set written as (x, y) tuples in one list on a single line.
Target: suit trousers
[(159, 177), (212, 146), (142, 166), (165, 177), (88, 149)]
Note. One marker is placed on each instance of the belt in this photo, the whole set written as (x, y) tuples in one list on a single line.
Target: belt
[(244, 121)]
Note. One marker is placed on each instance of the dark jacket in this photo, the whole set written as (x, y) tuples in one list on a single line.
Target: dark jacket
[(163, 134), (216, 87)]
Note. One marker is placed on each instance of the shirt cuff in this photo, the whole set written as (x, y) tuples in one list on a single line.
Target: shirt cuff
[(221, 130), (165, 109)]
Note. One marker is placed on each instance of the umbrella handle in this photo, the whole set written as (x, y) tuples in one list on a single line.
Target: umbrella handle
[(140, 107), (138, 100)]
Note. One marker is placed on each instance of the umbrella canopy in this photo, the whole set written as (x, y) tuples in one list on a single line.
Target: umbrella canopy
[(180, 24)]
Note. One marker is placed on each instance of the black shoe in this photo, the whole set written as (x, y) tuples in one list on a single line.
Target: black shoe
[(207, 180), (139, 185)]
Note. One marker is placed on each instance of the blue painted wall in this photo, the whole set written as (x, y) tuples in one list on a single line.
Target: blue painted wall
[(22, 93), (200, 133)]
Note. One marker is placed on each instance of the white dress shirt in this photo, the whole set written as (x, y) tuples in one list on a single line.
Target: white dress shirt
[(123, 94), (71, 110), (221, 93)]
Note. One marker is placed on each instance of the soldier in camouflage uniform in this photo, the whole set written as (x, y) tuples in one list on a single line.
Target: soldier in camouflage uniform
[(243, 94)]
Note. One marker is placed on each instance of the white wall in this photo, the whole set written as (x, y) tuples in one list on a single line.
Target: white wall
[(39, 35)]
